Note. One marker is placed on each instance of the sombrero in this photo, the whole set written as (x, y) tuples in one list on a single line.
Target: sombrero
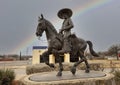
[(64, 11)]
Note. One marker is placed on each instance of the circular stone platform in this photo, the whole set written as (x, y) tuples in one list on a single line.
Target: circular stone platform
[(81, 78), (51, 76)]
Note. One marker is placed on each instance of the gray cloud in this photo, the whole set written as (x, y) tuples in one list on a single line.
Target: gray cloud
[(18, 20)]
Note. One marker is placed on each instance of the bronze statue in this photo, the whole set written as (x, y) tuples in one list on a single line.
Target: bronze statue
[(55, 44), (66, 28)]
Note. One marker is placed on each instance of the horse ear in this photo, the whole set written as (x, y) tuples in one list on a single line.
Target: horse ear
[(42, 16)]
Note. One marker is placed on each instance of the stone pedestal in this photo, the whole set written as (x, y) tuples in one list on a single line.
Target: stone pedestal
[(81, 78)]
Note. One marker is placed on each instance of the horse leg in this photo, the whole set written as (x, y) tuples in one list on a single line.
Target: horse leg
[(85, 60), (45, 57), (60, 64), (87, 65), (73, 69), (60, 68)]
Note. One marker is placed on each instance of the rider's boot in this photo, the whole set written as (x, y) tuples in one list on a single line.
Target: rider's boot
[(66, 47)]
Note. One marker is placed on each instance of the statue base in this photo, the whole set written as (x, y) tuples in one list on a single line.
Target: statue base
[(81, 78)]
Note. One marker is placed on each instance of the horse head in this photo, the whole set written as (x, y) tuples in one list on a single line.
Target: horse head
[(41, 26), (45, 25)]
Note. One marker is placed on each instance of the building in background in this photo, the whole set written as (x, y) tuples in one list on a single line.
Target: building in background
[(38, 50)]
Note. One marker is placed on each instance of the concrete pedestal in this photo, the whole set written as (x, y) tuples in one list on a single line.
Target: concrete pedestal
[(81, 78)]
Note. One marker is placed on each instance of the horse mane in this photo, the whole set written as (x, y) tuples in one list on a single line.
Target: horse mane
[(50, 24)]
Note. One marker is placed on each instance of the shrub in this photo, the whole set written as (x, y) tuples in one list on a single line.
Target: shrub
[(117, 75), (37, 69), (66, 66), (6, 76)]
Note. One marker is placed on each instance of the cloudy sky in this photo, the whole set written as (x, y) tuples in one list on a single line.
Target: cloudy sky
[(99, 21)]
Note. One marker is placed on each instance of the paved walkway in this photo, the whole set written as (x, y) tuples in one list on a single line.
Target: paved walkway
[(20, 72)]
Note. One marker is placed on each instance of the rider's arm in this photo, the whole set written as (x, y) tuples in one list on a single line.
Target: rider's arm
[(69, 26)]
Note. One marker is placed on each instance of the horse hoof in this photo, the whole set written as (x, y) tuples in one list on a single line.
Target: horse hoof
[(87, 71), (59, 74), (52, 65), (73, 70)]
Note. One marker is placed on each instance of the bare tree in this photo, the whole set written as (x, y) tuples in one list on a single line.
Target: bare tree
[(113, 50)]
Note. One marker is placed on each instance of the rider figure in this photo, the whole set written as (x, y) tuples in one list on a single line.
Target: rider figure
[(66, 28)]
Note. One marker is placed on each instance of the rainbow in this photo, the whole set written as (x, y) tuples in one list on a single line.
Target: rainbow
[(86, 8), (79, 10)]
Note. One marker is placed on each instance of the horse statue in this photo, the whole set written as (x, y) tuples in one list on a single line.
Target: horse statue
[(55, 44)]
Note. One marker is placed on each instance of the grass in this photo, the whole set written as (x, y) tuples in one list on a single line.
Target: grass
[(6, 76)]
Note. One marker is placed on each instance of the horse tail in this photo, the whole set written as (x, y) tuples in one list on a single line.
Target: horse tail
[(91, 49)]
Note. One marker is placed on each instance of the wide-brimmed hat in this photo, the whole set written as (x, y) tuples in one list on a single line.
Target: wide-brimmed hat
[(64, 11)]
